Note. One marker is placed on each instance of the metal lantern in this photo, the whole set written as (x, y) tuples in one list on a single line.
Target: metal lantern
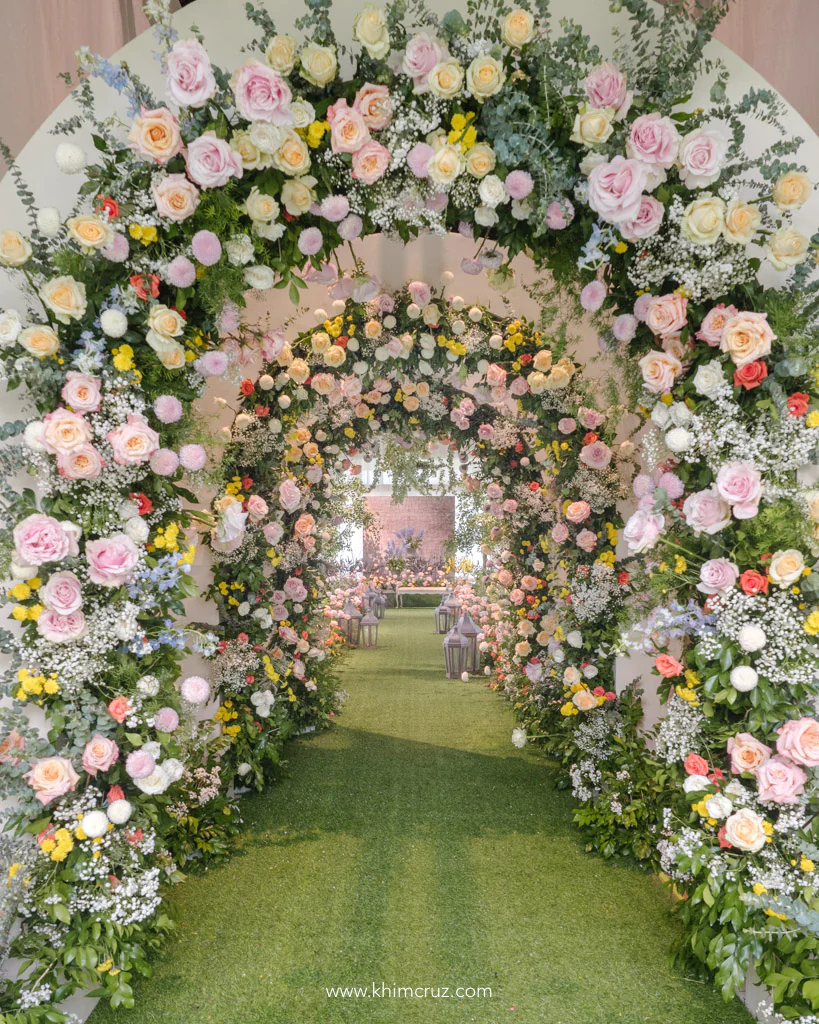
[(353, 626), (456, 651), (379, 605), (369, 595), (454, 605), (468, 628), (442, 617), (368, 631)]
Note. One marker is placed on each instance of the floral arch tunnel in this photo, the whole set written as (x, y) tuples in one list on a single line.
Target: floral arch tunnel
[(655, 219)]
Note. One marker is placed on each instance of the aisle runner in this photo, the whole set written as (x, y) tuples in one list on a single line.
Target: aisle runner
[(416, 867)]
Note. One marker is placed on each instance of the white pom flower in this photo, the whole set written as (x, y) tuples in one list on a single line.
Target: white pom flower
[(679, 440), (119, 811), (266, 382), (148, 686), (70, 158), (113, 322), (744, 678), (95, 824), (49, 221), (32, 435), (752, 638), (519, 737), (475, 314)]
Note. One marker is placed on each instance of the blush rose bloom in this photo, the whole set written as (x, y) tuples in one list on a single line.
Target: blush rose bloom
[(39, 539), (798, 739), (706, 511), (175, 197), (99, 754), (606, 87), (780, 781), (211, 162), (422, 54), (374, 104), (740, 484), (133, 442), (642, 530), (51, 777), (715, 320), (273, 532), (654, 140), (616, 189), (744, 830), (261, 94), (81, 392), (660, 370), (370, 163), (289, 495), (62, 593), (295, 589), (747, 753), (155, 135), (60, 629), (747, 336), (578, 511), (702, 156), (667, 666), (63, 431), (717, 575), (595, 456), (646, 223), (111, 560), (348, 130), (667, 314), (189, 81)]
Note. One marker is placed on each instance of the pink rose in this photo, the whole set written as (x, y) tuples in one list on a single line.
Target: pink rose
[(717, 575), (51, 777), (83, 463), (616, 189), (702, 156), (747, 753), (155, 135), (176, 199), (654, 140), (504, 577), (99, 754), (62, 593), (211, 162), (420, 293), (566, 425), (133, 442), (606, 87), (256, 508), (261, 94), (560, 532), (667, 314), (190, 81), (516, 596), (81, 392), (595, 456), (529, 582), (646, 223), (295, 589), (422, 54), (12, 748), (711, 328), (370, 162), (495, 375), (111, 560), (740, 484), (63, 431), (60, 629), (590, 418), (578, 511), (798, 739), (139, 764), (660, 370), (375, 106), (586, 540), (273, 533), (304, 525), (348, 130), (780, 781), (493, 491), (119, 709), (39, 539), (289, 495), (486, 432), (706, 512), (642, 530)]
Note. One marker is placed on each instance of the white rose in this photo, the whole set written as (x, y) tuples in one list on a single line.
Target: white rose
[(370, 29), (718, 806), (486, 217), (680, 414), (695, 783), (10, 327), (265, 137), (319, 64), (574, 639), (592, 127), (590, 161), (660, 416), (137, 529), (113, 322), (304, 113), (281, 54), (709, 379), (70, 158), (239, 250), (446, 79), (485, 77), (261, 207), (744, 678), (751, 638), (518, 28), (492, 191), (259, 277), (519, 737), (703, 220), (446, 164), (49, 221), (787, 248)]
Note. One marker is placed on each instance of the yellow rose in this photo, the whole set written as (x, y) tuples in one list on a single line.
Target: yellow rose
[(370, 29), (293, 155), (741, 222), (446, 79), (480, 160), (89, 230), (319, 64), (703, 219), (335, 355), (592, 127), (297, 195), (786, 248), (281, 54), (484, 77), (15, 250), (792, 190), (65, 297), (445, 165), (166, 322), (40, 341), (298, 371), (518, 28)]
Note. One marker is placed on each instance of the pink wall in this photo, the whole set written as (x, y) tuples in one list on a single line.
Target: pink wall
[(434, 515)]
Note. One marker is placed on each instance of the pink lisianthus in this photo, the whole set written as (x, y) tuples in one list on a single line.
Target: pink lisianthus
[(560, 533), (51, 777), (81, 392), (133, 442), (780, 781), (586, 540), (495, 375), (273, 532), (211, 162), (289, 495), (256, 508), (616, 189), (486, 432), (261, 94), (559, 215), (642, 530), (295, 589), (99, 754), (590, 418), (423, 52), (111, 560)]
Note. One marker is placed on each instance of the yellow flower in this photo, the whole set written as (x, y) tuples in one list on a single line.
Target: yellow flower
[(760, 889), (20, 592), (812, 419), (806, 864), (811, 624)]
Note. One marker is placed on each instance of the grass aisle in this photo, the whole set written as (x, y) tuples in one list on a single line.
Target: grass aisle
[(413, 845)]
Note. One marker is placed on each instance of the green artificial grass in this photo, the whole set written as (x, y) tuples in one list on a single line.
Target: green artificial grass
[(413, 845)]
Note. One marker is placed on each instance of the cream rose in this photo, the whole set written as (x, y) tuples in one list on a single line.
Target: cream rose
[(249, 153), (485, 77), (261, 207), (155, 135), (15, 250), (792, 191), (786, 567), (166, 322), (518, 28), (446, 164), (480, 160), (584, 700), (175, 197), (319, 64), (89, 231), (281, 54), (292, 157), (747, 337), (741, 222), (660, 369), (704, 220), (745, 830), (787, 248), (170, 353), (370, 29), (446, 79), (65, 297), (335, 355), (593, 127), (297, 195), (40, 341), (543, 360)]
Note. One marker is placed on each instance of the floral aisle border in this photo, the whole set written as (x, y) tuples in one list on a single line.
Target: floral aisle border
[(525, 140)]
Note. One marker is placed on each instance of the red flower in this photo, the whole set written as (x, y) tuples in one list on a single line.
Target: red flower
[(247, 386), (519, 447), (753, 582), (598, 691), (798, 403), (109, 206), (610, 696), (623, 578), (247, 483), (723, 842), (138, 283), (144, 503), (751, 375), (135, 836), (534, 486), (115, 793), (262, 410), (242, 638), (695, 765), (342, 340), (590, 438), (667, 666), (525, 359)]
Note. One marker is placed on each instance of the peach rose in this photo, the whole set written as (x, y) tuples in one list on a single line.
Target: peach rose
[(747, 753), (82, 393), (660, 370), (15, 250), (480, 160), (742, 222), (292, 157), (165, 321), (746, 337), (792, 190), (786, 567), (584, 700), (39, 341), (65, 297), (374, 104), (89, 231), (51, 777), (745, 830), (155, 135), (133, 442), (64, 430), (175, 197), (518, 28)]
